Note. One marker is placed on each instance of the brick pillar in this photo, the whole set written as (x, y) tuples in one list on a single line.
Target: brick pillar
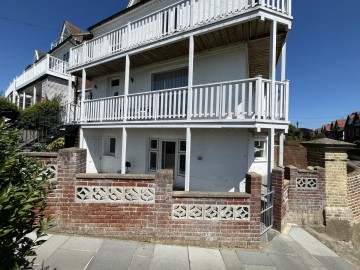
[(70, 161), (253, 187), (280, 198), (332, 155)]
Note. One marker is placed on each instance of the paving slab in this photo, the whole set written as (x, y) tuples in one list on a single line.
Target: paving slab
[(170, 257), (259, 267), (83, 243), (145, 250), (140, 263), (279, 246), (64, 259), (49, 247), (286, 262), (231, 259), (318, 268), (114, 255), (254, 258), (332, 263), (305, 256), (205, 259), (310, 243)]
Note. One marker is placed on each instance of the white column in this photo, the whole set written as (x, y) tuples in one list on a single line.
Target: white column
[(283, 62), (281, 147), (24, 97), (188, 156), (34, 95), (69, 99), (18, 100), (83, 86), (14, 96), (81, 138), (126, 86), (272, 65), (190, 76), (123, 150), (271, 156)]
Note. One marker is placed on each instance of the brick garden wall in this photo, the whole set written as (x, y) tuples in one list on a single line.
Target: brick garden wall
[(354, 193), (45, 157), (144, 207), (299, 196)]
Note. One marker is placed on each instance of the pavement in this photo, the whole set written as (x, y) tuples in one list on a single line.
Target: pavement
[(296, 250)]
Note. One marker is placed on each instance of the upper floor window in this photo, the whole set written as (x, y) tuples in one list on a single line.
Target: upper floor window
[(169, 79), (66, 57)]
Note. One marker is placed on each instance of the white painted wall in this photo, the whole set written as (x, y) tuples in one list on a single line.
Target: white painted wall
[(59, 52), (218, 65), (219, 157), (260, 165)]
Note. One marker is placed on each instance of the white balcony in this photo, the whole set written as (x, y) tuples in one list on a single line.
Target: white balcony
[(250, 99), (176, 19), (48, 65)]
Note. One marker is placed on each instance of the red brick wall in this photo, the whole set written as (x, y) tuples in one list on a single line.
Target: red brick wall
[(151, 220), (45, 157), (305, 204), (354, 194)]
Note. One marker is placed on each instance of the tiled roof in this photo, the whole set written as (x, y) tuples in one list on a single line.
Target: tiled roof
[(341, 123), (73, 30)]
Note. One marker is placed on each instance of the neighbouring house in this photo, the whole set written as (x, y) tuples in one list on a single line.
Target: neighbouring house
[(47, 76), (326, 130), (339, 129), (188, 86), (352, 127)]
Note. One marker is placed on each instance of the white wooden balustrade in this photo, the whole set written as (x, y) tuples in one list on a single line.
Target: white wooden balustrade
[(242, 99), (177, 18), (46, 65)]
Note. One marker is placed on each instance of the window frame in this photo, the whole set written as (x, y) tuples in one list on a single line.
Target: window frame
[(153, 150), (265, 148), (169, 72), (181, 153)]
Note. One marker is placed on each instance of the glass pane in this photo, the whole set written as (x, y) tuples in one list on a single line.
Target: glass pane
[(115, 83), (112, 145), (259, 149), (168, 155), (182, 146), (182, 162), (153, 161), (154, 144)]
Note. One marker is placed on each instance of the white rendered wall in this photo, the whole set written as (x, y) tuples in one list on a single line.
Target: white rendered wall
[(213, 66)]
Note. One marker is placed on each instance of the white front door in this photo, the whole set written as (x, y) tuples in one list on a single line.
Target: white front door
[(94, 145)]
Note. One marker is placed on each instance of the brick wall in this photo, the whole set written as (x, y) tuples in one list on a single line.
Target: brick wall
[(144, 207), (45, 157), (299, 196), (354, 194)]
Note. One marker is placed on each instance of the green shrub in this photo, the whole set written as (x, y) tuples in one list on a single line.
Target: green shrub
[(40, 116), (357, 143), (23, 190), (8, 110), (56, 145)]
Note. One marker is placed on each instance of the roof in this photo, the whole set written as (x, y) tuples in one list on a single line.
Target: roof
[(120, 13), (326, 127), (73, 30), (326, 142), (340, 123)]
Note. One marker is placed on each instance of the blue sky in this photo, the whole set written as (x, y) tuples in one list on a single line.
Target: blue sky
[(323, 52)]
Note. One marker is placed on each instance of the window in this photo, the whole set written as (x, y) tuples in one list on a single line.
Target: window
[(260, 149), (170, 79), (66, 57), (153, 154), (110, 146), (182, 157), (115, 83)]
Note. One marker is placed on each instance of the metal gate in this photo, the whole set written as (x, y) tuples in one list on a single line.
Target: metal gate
[(267, 213)]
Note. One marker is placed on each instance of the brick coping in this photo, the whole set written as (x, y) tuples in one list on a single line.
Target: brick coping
[(150, 177), (203, 194)]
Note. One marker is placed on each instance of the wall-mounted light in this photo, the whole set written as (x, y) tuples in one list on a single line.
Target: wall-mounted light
[(95, 86), (199, 158), (132, 80)]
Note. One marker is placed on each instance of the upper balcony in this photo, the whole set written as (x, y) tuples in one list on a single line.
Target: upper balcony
[(48, 65), (242, 101), (175, 20)]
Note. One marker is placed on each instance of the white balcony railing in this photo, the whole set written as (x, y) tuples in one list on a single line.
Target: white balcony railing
[(243, 99), (177, 18), (47, 65)]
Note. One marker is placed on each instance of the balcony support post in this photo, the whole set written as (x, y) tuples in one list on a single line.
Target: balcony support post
[(271, 156), (24, 97), (70, 93), (187, 161), (272, 66), (34, 95), (123, 151), (83, 86), (283, 62), (190, 76), (126, 86), (281, 147), (14, 93)]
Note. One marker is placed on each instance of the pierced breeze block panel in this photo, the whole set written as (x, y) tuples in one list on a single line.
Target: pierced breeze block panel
[(211, 212), (306, 183), (103, 194)]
